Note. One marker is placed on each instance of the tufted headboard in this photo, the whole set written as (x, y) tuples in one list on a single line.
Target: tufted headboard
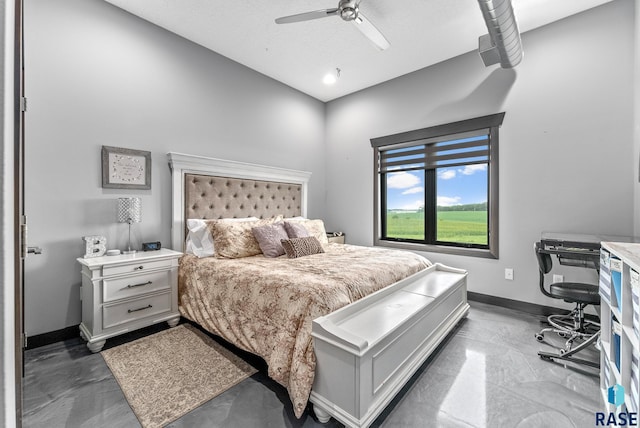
[(223, 197), (215, 188)]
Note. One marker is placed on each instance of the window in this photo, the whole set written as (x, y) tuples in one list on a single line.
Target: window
[(436, 189)]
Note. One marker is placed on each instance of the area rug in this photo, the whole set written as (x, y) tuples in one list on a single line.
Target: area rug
[(168, 374)]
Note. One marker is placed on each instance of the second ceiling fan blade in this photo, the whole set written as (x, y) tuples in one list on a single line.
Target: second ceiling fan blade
[(307, 16), (372, 33)]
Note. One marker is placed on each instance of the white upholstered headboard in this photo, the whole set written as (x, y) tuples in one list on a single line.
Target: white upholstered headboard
[(215, 188)]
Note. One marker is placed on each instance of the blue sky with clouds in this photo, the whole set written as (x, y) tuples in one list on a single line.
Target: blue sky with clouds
[(456, 186)]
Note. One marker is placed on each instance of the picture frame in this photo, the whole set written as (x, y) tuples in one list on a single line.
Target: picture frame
[(125, 168)]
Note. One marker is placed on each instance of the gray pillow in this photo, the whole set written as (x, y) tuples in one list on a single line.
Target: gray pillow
[(299, 247), (269, 238), (295, 230)]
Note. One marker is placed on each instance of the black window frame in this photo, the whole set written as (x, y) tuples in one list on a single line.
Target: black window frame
[(489, 124)]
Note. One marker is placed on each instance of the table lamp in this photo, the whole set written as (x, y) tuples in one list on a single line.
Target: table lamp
[(129, 211)]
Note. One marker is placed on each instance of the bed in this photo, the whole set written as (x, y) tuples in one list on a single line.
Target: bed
[(267, 305)]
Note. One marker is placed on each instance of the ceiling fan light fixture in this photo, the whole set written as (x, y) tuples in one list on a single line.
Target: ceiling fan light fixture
[(348, 9)]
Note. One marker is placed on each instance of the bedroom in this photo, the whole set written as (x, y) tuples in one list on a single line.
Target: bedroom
[(147, 89)]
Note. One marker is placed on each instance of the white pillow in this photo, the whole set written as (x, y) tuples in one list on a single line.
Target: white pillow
[(199, 241)]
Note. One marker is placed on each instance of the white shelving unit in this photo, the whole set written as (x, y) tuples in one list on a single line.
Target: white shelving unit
[(620, 322)]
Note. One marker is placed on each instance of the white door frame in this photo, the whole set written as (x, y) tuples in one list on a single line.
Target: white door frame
[(11, 379)]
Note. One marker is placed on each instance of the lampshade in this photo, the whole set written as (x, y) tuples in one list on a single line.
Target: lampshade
[(129, 210)]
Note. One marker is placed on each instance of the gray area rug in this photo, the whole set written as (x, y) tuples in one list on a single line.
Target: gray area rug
[(168, 374)]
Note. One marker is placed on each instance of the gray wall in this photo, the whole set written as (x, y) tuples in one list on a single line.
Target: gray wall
[(99, 76), (566, 151)]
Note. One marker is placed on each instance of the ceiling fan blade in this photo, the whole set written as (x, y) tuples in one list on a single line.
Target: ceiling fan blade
[(372, 33), (307, 16)]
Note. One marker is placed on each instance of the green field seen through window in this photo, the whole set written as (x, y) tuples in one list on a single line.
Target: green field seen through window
[(464, 227)]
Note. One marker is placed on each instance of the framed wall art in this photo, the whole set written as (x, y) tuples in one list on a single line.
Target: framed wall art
[(125, 168)]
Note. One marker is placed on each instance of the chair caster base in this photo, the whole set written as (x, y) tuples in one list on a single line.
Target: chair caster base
[(568, 355), (551, 357)]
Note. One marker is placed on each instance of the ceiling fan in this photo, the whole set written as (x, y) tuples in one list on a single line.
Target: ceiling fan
[(348, 10)]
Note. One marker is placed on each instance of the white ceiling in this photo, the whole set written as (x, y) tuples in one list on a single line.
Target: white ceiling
[(421, 33)]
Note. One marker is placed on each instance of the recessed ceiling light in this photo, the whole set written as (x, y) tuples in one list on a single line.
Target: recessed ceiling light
[(331, 78)]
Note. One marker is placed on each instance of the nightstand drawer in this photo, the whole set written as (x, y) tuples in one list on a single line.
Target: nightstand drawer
[(140, 267), (133, 285), (132, 310)]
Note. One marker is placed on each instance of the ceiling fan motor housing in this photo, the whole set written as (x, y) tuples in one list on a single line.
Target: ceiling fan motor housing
[(348, 9)]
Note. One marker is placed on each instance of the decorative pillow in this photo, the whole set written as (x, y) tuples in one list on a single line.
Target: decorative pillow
[(299, 247), (199, 240), (314, 227), (235, 239), (210, 222), (295, 230), (269, 238)]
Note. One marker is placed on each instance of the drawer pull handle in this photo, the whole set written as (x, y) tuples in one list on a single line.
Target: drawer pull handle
[(140, 309), (139, 285), (138, 268)]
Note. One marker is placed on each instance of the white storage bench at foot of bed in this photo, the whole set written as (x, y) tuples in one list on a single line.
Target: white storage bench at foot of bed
[(369, 349)]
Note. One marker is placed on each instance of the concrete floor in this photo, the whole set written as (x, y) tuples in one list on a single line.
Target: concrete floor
[(486, 374)]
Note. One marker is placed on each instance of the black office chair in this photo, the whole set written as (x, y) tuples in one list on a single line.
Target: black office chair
[(572, 326)]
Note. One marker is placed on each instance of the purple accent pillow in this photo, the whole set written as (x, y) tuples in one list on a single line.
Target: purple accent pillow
[(295, 230), (269, 238)]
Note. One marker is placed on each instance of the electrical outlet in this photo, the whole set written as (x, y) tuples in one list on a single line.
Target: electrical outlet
[(558, 278), (508, 274)]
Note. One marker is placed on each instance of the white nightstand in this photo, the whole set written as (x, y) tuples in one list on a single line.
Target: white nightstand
[(127, 292)]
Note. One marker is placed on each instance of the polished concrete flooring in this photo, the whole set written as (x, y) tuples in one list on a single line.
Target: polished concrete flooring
[(486, 374)]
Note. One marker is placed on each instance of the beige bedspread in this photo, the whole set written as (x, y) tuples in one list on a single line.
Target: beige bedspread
[(266, 305)]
